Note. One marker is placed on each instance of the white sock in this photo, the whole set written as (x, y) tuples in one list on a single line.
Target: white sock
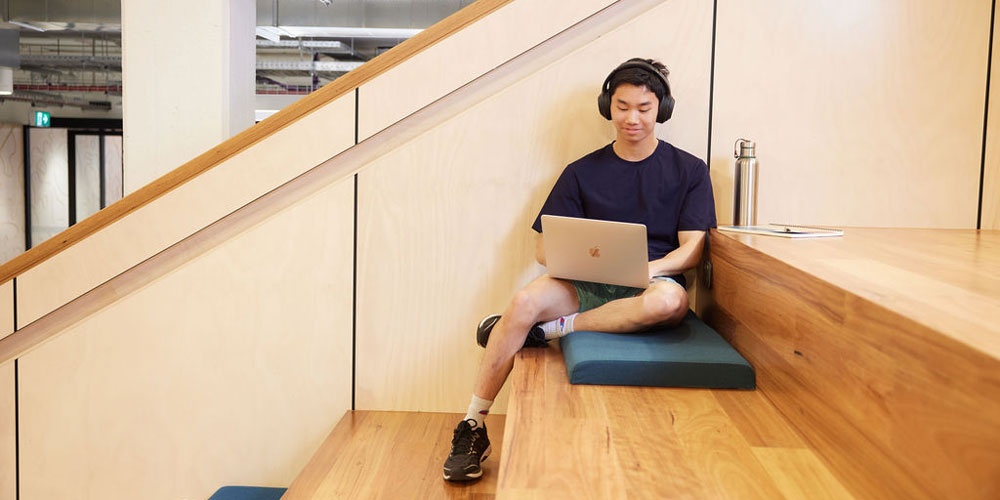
[(558, 327), (478, 409)]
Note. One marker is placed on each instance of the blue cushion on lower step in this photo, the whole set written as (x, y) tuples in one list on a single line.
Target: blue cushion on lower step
[(247, 493), (690, 354)]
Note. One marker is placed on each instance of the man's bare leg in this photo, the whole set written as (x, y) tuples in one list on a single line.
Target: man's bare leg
[(543, 299), (663, 303)]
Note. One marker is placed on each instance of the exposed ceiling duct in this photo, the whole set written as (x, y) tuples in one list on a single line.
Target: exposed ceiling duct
[(72, 48)]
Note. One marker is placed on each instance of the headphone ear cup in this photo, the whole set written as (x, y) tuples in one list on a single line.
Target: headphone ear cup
[(604, 105), (666, 108)]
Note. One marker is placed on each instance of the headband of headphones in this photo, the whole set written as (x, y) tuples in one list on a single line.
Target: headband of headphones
[(666, 103)]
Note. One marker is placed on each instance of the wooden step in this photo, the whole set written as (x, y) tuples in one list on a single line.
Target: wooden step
[(392, 455), (578, 441), (881, 347)]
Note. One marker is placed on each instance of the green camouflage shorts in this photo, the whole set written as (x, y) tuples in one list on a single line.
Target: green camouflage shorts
[(594, 295)]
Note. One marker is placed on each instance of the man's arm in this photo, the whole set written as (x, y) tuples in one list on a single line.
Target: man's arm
[(540, 249), (685, 257)]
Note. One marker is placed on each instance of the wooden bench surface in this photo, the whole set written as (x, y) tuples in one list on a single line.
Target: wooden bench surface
[(566, 441), (392, 455), (882, 348), (947, 280)]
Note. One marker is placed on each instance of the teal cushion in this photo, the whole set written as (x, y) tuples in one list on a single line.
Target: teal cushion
[(247, 493), (690, 354)]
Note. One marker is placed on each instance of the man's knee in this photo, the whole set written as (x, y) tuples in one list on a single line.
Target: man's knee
[(524, 306), (664, 303)]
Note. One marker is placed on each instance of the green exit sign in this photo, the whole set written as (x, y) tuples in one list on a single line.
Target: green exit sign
[(42, 118)]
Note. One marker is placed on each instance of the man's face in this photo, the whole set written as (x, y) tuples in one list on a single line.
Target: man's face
[(633, 111)]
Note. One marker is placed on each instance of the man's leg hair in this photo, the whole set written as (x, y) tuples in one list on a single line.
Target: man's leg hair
[(543, 299)]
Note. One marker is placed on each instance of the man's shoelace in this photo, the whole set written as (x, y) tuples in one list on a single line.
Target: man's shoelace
[(464, 439)]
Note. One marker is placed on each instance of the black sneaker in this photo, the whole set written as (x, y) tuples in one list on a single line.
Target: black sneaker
[(536, 337), (470, 446)]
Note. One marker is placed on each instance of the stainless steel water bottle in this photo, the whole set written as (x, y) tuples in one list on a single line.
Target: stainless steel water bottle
[(745, 203)]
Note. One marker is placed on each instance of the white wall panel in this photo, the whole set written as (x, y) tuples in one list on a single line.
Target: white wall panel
[(444, 221), (464, 56), (11, 191), (49, 183), (865, 113), (230, 368), (112, 169), (183, 211), (88, 176)]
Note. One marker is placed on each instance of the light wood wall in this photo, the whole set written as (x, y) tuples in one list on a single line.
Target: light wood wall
[(444, 221), (229, 369), (8, 458), (865, 113), (991, 171), (467, 54), (6, 309), (185, 210)]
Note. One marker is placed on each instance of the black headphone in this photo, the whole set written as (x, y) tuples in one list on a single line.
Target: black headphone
[(666, 104)]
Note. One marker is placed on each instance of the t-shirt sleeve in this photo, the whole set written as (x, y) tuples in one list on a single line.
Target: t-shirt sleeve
[(564, 199), (698, 210)]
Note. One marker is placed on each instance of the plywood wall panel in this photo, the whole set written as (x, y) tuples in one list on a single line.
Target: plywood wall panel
[(991, 172), (6, 309), (864, 113), (8, 438), (444, 221), (229, 369), (463, 56), (192, 206)]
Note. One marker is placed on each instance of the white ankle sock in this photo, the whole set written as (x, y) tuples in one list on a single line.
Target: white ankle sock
[(558, 327), (478, 409)]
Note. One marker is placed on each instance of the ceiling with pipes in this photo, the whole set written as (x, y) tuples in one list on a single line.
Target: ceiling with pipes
[(70, 51)]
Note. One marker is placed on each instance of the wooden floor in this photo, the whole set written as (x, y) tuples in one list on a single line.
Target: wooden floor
[(393, 455), (576, 441)]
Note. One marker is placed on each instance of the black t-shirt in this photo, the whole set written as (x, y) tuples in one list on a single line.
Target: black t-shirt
[(669, 191)]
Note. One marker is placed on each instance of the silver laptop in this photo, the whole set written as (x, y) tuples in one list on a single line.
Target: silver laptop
[(595, 250)]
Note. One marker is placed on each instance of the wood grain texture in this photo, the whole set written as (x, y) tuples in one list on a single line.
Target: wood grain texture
[(213, 157), (990, 217), (800, 474), (6, 309), (221, 362), (845, 103), (885, 376), (390, 455), (444, 220), (578, 441), (8, 455), (463, 57)]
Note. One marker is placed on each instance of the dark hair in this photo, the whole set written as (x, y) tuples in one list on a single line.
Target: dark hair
[(641, 78)]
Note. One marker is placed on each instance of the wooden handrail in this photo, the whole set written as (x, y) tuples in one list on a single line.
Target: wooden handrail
[(215, 156)]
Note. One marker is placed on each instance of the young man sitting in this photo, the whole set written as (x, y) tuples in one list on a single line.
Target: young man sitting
[(637, 178)]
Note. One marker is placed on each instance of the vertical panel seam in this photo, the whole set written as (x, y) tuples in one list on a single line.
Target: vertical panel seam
[(986, 116), (354, 302), (26, 139), (711, 84), (354, 278), (17, 434)]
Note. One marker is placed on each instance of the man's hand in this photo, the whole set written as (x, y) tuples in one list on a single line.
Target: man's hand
[(684, 257)]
